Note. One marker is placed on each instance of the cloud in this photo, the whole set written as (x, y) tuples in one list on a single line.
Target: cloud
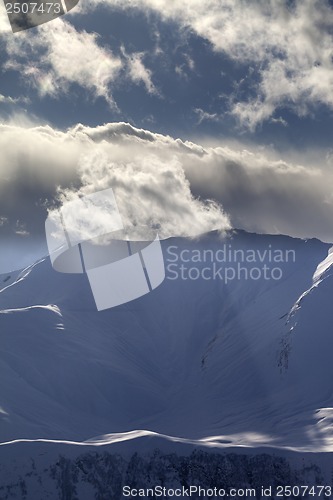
[(258, 190), (12, 100), (177, 187), (21, 229), (150, 193), (41, 167), (33, 162), (204, 115), (287, 45), (61, 56), (266, 195), (54, 56), (137, 71)]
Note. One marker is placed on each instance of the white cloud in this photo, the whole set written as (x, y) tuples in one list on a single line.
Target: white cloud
[(184, 70), (21, 229), (12, 100), (54, 56), (259, 192), (45, 164), (163, 182), (205, 116), (60, 56), (137, 71), (289, 47), (150, 192)]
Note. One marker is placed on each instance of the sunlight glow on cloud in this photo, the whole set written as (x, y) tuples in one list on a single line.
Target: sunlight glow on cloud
[(53, 67), (178, 187), (150, 190), (288, 46), (54, 56)]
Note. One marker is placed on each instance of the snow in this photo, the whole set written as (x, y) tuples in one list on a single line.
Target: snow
[(243, 364), (323, 266)]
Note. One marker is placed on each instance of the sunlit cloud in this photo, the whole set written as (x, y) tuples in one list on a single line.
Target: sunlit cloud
[(288, 45)]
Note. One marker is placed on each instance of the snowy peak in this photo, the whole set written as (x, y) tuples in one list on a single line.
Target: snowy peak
[(198, 357)]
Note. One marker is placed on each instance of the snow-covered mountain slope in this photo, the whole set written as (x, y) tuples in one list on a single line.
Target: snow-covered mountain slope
[(245, 362)]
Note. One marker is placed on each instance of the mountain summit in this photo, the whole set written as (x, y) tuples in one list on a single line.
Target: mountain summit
[(236, 357)]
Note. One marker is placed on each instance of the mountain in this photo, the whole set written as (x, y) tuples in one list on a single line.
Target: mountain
[(212, 357)]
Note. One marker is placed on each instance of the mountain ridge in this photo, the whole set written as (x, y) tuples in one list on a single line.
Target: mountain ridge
[(192, 359)]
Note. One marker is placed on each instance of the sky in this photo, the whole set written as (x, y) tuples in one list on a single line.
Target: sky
[(200, 114)]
